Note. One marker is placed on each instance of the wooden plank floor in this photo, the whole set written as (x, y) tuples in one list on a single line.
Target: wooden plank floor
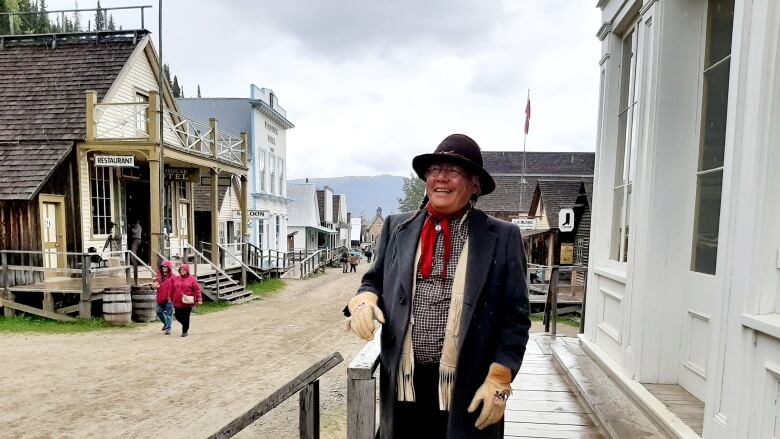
[(689, 409), (543, 404)]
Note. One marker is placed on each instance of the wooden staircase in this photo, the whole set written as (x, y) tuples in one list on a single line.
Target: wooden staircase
[(229, 290)]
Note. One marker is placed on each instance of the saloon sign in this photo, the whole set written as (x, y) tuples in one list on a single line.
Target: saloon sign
[(252, 214)]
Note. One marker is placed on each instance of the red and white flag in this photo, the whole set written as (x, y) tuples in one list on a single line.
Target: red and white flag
[(528, 113)]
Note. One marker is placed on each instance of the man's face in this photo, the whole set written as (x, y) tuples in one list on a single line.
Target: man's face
[(449, 187)]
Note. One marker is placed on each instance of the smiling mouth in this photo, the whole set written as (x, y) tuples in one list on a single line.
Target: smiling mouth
[(442, 191)]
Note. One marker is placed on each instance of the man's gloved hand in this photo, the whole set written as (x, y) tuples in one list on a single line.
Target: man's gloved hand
[(493, 394), (364, 310)]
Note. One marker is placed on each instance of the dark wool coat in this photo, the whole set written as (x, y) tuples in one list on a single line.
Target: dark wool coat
[(495, 320)]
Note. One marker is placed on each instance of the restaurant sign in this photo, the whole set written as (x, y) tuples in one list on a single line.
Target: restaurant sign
[(117, 161)]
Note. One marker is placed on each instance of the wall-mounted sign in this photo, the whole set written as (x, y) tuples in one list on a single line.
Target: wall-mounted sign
[(525, 223), (117, 161), (221, 181), (183, 174), (567, 253), (252, 214), (566, 220)]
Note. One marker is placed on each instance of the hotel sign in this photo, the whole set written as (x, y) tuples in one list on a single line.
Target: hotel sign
[(116, 161), (183, 174)]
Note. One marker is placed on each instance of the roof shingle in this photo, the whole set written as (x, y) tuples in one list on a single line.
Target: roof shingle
[(24, 167)]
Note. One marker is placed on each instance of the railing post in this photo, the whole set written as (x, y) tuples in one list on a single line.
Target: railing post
[(214, 137), (309, 411), (85, 304), (553, 298), (361, 392), (90, 112), (584, 296), (7, 311)]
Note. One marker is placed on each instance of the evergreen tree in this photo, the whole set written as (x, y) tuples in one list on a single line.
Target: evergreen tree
[(4, 30), (175, 87), (28, 21), (198, 90), (414, 191), (167, 73), (111, 25), (44, 26), (100, 18), (76, 19), (10, 6)]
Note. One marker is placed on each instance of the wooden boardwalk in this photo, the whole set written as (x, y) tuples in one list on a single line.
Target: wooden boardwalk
[(544, 404), (689, 409)]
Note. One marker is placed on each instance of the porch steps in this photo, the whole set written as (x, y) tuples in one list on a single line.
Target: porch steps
[(616, 412), (229, 289)]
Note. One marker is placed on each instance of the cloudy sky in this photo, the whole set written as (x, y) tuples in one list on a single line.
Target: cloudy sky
[(371, 83)]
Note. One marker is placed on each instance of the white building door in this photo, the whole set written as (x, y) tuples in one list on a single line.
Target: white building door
[(52, 231)]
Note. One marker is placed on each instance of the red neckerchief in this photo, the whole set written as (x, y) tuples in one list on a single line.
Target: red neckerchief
[(428, 239)]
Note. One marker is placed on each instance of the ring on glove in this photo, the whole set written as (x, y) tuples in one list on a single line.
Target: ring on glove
[(501, 396)]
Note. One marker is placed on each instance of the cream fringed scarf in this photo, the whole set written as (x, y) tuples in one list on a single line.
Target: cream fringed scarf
[(449, 353)]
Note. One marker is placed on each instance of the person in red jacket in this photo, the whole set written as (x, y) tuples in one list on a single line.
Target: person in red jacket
[(186, 295), (164, 283)]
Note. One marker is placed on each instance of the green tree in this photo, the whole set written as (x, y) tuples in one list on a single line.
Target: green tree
[(76, 25), (175, 87), (100, 18), (43, 25), (413, 193), (198, 90), (111, 25)]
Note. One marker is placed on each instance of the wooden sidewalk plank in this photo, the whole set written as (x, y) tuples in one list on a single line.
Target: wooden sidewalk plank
[(572, 406)]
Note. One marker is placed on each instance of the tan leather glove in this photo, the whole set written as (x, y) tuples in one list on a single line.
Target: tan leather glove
[(493, 394), (364, 310)]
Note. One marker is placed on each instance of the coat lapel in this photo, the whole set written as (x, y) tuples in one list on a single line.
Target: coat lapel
[(406, 244), (482, 244)]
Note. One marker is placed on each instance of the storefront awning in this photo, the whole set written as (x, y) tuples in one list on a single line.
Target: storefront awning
[(324, 230)]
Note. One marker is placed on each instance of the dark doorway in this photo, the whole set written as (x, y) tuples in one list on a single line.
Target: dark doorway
[(202, 228), (138, 208)]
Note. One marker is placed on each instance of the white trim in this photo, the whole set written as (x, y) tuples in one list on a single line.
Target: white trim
[(768, 324), (668, 421), (773, 369), (611, 273)]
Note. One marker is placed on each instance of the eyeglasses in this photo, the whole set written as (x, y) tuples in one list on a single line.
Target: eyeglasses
[(450, 171)]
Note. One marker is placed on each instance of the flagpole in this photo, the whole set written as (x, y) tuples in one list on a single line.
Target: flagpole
[(525, 137)]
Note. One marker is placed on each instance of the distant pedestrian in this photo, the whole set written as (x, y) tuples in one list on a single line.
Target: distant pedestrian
[(186, 295), (353, 262), (368, 254), (135, 244), (165, 283)]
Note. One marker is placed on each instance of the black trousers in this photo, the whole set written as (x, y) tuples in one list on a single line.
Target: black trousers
[(422, 418), (353, 268), (183, 316)]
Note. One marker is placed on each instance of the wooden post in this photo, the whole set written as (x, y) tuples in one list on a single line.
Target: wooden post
[(153, 117), (213, 136), (584, 296), (7, 311), (155, 192), (553, 298), (91, 123), (214, 217), (85, 304), (48, 302), (309, 411)]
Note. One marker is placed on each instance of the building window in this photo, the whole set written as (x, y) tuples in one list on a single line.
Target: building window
[(712, 143), (100, 186), (278, 231), (168, 209), (281, 177), (272, 166), (184, 207), (140, 115), (261, 234), (222, 227), (626, 148), (261, 170)]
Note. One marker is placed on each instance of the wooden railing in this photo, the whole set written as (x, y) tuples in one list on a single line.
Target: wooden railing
[(201, 139), (239, 260), (266, 259), (308, 384), (362, 415)]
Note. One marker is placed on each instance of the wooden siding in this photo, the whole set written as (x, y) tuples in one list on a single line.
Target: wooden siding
[(229, 205)]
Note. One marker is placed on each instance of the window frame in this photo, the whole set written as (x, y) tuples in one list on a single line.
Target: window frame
[(107, 200)]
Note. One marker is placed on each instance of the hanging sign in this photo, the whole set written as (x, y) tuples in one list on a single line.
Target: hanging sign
[(566, 220), (182, 174), (117, 161), (567, 253), (525, 223)]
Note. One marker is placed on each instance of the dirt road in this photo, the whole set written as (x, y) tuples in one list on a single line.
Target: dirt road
[(138, 383)]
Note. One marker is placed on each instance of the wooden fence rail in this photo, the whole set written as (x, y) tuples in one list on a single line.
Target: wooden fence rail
[(309, 411), (551, 305), (362, 417)]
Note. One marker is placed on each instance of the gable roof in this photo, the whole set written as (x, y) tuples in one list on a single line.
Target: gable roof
[(506, 197), (539, 163), (556, 195), (24, 167), (42, 89)]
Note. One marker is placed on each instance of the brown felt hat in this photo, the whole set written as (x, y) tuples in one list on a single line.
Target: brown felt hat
[(460, 150)]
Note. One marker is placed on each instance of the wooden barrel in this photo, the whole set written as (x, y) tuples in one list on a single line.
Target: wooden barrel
[(117, 306), (144, 303)]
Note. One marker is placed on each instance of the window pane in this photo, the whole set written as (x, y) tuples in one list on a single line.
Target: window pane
[(705, 244), (716, 96), (719, 25), (617, 223)]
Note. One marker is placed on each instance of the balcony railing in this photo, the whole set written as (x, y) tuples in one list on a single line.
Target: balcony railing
[(138, 121)]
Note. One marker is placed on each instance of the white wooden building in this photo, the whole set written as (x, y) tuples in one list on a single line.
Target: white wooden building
[(306, 230), (684, 285)]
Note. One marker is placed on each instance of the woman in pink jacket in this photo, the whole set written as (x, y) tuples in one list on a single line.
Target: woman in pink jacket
[(165, 283), (186, 295)]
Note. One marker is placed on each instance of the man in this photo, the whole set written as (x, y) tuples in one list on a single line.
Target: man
[(448, 285), (368, 254), (135, 243), (353, 262)]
